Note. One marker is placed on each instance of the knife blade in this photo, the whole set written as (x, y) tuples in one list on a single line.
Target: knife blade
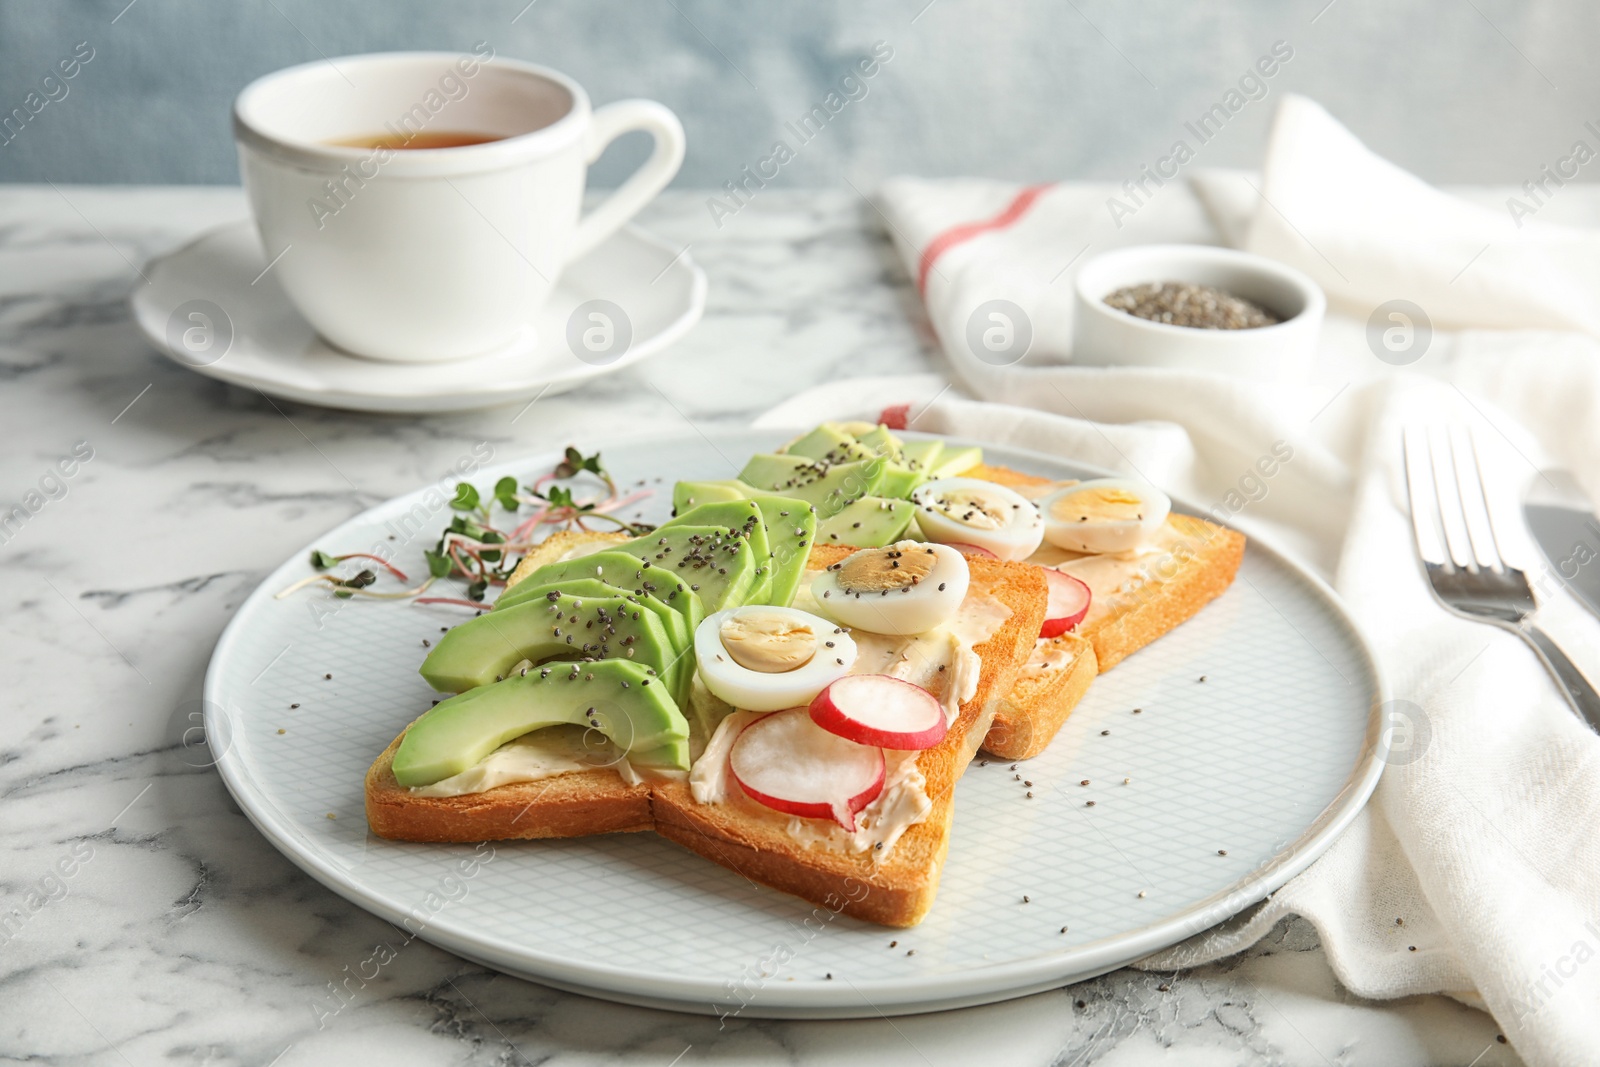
[(1564, 525)]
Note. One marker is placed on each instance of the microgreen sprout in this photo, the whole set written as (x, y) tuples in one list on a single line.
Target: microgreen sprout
[(476, 548), (323, 562)]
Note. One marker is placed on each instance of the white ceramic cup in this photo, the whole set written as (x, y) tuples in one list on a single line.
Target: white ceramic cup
[(1282, 354), (431, 254)]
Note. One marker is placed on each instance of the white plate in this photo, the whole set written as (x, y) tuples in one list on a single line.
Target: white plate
[(1267, 759), (261, 341)]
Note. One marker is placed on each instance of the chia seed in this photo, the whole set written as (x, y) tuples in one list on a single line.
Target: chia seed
[(1200, 307)]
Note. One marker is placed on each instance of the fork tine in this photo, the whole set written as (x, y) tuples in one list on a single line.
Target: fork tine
[(1474, 499), (1419, 492), (1451, 516), (1496, 506)]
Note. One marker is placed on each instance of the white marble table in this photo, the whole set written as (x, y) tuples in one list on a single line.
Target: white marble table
[(142, 918)]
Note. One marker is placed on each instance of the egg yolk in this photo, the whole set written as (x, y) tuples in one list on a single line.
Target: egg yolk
[(880, 570), (767, 641), (973, 507), (1105, 503)]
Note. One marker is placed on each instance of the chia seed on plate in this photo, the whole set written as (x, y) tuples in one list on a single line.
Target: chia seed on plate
[(1200, 307)]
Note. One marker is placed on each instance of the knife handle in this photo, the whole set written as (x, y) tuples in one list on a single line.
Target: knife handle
[(1580, 694)]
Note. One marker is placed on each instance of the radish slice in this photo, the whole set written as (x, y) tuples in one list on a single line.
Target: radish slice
[(876, 709), (1069, 603), (971, 550), (785, 761)]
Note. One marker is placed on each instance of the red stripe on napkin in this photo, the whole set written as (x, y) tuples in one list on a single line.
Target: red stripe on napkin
[(968, 230)]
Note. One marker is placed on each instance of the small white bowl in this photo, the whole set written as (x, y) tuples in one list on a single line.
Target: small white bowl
[(1104, 336)]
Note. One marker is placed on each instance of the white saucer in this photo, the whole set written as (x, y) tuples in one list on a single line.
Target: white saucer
[(265, 344)]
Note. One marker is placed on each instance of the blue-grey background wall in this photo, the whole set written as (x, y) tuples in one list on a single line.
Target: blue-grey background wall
[(1456, 90)]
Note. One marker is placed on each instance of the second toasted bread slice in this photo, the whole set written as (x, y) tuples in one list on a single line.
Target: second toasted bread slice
[(1048, 687), (1134, 603), (897, 889)]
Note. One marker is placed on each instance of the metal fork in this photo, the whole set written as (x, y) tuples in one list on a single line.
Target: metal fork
[(1461, 550)]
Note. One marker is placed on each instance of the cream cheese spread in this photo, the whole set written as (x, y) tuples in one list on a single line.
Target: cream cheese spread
[(545, 753), (1114, 578)]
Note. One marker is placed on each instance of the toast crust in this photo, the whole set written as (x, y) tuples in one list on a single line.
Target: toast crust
[(1028, 717), (575, 804), (899, 890)]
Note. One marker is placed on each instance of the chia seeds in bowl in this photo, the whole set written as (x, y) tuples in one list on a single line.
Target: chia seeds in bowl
[(1200, 307)]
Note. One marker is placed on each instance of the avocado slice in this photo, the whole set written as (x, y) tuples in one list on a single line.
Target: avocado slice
[(719, 567), (922, 452), (899, 480), (737, 518), (829, 444), (686, 495), (900, 476), (870, 522), (483, 650), (791, 528), (791, 531), (620, 699), (828, 487), (675, 622), (621, 569), (954, 461), (670, 754), (832, 443), (878, 441), (679, 633)]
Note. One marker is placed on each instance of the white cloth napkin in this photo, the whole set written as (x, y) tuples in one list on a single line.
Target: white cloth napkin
[(1368, 232), (1486, 843)]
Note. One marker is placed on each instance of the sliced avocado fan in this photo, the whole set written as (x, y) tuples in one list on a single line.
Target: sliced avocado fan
[(675, 620), (483, 650), (613, 567), (738, 519), (856, 477), (719, 567), (622, 620), (829, 486)]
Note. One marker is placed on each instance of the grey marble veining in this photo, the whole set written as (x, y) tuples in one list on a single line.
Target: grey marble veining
[(145, 920)]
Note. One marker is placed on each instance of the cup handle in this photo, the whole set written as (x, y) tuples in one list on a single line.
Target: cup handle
[(609, 123)]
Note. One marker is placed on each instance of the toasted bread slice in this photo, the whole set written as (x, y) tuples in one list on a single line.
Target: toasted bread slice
[(576, 804), (1208, 559), (1026, 484), (1204, 558), (1121, 621), (898, 890), (1055, 678)]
